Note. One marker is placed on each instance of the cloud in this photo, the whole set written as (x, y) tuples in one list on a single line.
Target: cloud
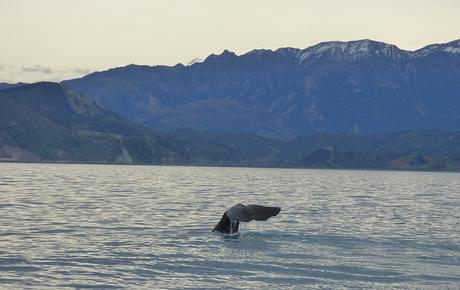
[(34, 73), (38, 68), (83, 71)]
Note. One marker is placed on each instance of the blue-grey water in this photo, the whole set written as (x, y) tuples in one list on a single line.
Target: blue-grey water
[(97, 226)]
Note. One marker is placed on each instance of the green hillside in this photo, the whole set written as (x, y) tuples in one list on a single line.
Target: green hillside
[(47, 122)]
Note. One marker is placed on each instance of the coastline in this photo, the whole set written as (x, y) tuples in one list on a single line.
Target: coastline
[(228, 166)]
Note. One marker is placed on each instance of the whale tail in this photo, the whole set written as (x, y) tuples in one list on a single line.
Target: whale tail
[(262, 213), (230, 221), (226, 226), (223, 225)]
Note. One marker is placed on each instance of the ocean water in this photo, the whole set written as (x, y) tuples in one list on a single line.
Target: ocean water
[(149, 227)]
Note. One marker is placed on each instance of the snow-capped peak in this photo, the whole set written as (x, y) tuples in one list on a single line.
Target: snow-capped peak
[(195, 60), (450, 47), (351, 50)]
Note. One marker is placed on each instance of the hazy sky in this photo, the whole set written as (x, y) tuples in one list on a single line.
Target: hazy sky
[(59, 39)]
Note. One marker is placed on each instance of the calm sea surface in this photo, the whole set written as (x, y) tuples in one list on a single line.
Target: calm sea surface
[(96, 226)]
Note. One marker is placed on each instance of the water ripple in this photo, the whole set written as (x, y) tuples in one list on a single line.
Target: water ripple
[(99, 226)]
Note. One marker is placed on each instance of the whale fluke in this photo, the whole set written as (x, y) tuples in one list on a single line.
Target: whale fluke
[(231, 219)]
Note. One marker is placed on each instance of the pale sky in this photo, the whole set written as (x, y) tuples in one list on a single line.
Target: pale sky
[(61, 39)]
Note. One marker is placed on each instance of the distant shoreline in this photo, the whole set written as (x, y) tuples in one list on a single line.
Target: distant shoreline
[(227, 166)]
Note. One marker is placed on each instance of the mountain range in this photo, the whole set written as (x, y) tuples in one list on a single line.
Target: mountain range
[(358, 104), (47, 122), (359, 87)]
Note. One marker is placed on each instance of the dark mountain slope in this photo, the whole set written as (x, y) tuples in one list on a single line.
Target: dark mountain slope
[(427, 149), (414, 150), (8, 85), (47, 122), (210, 148), (358, 87)]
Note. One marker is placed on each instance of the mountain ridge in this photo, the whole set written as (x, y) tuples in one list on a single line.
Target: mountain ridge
[(450, 47), (362, 86)]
